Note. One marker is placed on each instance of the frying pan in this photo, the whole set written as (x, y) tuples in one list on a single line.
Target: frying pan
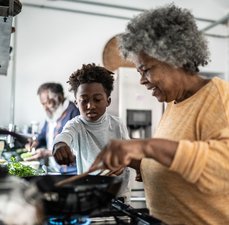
[(84, 196)]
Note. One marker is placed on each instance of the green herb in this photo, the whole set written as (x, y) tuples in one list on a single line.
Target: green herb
[(18, 169)]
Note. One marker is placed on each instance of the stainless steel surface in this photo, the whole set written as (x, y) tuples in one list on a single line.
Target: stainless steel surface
[(108, 220), (8, 9), (3, 11), (5, 34)]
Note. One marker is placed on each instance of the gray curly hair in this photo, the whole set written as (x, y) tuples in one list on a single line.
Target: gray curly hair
[(168, 34)]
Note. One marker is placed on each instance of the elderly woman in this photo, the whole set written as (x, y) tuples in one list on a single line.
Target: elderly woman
[(185, 167)]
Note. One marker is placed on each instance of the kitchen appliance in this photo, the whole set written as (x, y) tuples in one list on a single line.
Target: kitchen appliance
[(87, 200), (8, 9), (117, 213), (139, 123)]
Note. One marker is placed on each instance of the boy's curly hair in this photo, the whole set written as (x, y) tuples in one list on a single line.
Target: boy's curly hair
[(91, 73), (169, 34)]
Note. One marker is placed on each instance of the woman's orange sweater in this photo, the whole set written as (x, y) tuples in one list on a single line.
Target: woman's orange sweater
[(195, 189)]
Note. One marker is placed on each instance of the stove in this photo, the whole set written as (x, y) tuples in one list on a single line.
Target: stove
[(118, 213), (89, 201)]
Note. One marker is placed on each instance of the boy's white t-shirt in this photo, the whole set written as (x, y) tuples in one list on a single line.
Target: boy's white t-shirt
[(86, 139)]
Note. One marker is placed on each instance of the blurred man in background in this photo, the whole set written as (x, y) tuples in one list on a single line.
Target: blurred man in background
[(58, 111)]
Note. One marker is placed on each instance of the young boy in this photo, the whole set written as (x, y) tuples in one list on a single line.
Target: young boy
[(86, 135)]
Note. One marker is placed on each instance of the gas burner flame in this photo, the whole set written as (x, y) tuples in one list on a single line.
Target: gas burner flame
[(72, 220)]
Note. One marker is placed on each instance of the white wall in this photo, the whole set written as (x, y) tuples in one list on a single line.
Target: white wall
[(50, 45)]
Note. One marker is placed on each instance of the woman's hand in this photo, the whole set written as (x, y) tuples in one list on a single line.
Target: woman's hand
[(63, 154), (119, 153)]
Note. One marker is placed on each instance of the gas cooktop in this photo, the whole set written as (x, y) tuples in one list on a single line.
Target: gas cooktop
[(119, 213)]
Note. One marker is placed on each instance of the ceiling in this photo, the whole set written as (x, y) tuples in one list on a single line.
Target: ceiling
[(212, 16), (209, 13)]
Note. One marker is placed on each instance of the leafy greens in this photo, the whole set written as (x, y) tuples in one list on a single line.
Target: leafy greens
[(18, 169)]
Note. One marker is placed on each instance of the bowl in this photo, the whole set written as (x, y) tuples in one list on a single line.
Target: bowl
[(3, 162)]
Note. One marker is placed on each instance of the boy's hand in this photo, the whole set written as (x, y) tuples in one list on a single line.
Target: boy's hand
[(63, 154)]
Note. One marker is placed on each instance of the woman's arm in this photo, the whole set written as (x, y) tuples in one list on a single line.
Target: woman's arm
[(119, 153)]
